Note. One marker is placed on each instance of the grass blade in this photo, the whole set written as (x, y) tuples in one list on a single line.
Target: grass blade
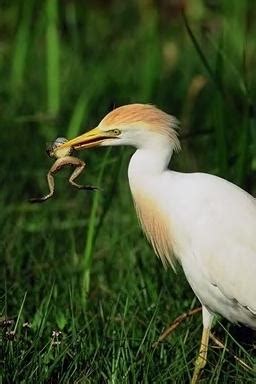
[(20, 311), (52, 45), (90, 237), (22, 42), (201, 54)]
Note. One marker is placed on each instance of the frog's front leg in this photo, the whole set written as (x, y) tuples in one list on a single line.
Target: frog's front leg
[(79, 167)]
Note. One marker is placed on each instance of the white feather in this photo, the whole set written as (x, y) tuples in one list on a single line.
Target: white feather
[(213, 230)]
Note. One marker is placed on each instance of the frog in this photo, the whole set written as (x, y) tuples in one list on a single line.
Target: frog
[(64, 157)]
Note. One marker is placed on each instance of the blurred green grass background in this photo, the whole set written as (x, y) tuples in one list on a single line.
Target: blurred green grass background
[(79, 263)]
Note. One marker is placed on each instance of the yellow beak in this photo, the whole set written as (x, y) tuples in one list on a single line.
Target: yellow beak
[(90, 139)]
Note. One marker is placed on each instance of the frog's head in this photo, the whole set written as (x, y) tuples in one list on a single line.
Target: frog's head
[(53, 151)]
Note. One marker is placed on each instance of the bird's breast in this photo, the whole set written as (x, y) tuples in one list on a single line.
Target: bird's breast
[(156, 225)]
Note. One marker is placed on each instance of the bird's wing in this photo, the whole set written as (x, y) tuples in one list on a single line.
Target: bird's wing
[(230, 242), (219, 219)]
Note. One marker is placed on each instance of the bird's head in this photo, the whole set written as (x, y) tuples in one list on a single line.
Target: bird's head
[(138, 125)]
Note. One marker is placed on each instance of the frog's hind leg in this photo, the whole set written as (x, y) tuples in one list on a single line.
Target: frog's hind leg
[(50, 180), (79, 169)]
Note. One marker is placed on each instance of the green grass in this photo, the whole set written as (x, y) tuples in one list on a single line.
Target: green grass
[(79, 263)]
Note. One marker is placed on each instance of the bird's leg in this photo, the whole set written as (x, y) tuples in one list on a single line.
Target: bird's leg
[(50, 180), (202, 356), (79, 169)]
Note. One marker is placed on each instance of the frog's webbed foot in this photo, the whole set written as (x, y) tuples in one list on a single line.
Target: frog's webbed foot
[(85, 187), (40, 199)]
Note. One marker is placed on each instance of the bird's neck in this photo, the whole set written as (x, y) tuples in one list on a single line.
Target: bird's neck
[(146, 169), (149, 162)]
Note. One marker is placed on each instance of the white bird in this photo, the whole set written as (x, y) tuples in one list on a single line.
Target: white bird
[(201, 221)]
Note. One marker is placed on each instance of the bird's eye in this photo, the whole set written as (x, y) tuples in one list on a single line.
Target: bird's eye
[(116, 132)]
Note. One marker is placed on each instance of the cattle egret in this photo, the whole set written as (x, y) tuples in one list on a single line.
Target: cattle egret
[(201, 221)]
